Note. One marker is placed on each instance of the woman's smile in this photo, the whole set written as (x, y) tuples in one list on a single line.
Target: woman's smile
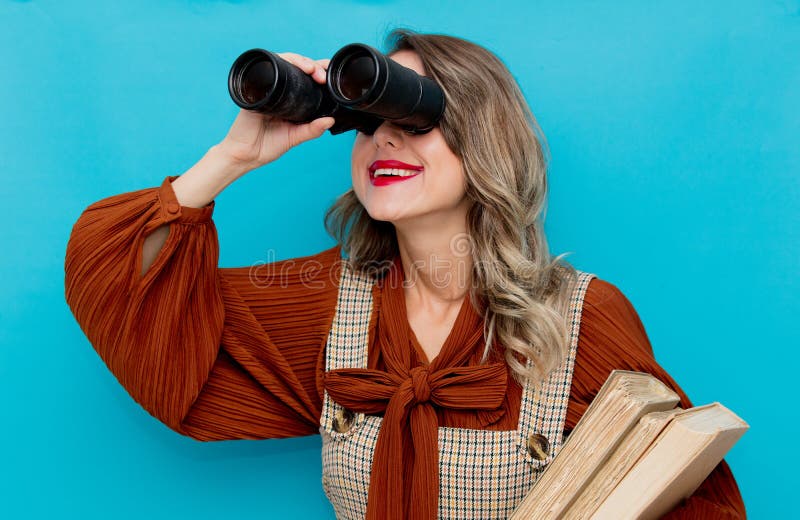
[(383, 173)]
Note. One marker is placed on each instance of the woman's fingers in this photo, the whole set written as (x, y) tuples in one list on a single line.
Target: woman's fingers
[(319, 74), (305, 64), (247, 125), (302, 133), (315, 69)]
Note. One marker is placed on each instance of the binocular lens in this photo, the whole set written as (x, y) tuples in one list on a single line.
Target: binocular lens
[(356, 76), (257, 80)]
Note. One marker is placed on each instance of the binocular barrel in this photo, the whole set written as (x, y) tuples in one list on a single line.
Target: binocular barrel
[(364, 88), (363, 79), (264, 82)]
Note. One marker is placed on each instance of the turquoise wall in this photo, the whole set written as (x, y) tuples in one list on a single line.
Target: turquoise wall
[(673, 128)]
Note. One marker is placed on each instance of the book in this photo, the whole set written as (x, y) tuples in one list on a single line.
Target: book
[(621, 461), (633, 454), (673, 467)]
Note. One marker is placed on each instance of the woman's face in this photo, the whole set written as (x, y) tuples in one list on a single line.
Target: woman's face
[(433, 182)]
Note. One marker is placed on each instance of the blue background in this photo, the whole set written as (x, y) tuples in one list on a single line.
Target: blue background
[(673, 128)]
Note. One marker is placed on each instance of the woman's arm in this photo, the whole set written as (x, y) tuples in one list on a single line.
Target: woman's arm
[(183, 340), (143, 283), (612, 337)]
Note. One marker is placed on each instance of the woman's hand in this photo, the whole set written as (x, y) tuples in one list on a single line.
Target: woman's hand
[(256, 139)]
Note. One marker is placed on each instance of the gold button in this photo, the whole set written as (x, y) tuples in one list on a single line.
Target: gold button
[(343, 420), (538, 446)]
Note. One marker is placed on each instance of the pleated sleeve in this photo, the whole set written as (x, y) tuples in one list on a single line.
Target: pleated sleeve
[(612, 337), (213, 353)]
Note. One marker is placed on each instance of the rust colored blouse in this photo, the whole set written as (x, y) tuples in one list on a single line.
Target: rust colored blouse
[(238, 353)]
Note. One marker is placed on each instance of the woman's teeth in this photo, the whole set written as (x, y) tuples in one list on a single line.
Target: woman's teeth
[(395, 172)]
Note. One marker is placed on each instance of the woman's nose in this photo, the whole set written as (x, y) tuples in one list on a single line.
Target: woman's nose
[(388, 135)]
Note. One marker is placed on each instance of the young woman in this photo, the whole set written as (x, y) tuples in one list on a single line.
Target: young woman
[(439, 349)]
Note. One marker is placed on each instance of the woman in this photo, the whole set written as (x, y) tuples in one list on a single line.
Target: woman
[(442, 360)]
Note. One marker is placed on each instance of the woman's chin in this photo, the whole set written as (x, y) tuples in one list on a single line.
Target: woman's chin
[(382, 217), (385, 214)]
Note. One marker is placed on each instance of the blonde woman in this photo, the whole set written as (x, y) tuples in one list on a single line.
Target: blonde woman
[(439, 349)]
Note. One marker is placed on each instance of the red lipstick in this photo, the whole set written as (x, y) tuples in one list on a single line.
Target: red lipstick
[(397, 165)]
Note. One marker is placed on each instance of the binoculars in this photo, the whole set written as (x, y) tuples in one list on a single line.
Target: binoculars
[(364, 89)]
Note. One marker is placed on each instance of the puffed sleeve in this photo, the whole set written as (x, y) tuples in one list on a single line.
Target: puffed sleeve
[(213, 353), (612, 337)]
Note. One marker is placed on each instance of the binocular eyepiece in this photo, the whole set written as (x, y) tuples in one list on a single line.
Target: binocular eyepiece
[(364, 88)]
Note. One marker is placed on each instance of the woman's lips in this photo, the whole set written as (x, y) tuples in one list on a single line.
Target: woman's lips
[(384, 181), (404, 172), (392, 164)]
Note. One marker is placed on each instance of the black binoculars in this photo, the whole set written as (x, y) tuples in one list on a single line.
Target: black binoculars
[(364, 89)]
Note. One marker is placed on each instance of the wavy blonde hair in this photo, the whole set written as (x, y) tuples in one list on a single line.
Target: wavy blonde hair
[(519, 289)]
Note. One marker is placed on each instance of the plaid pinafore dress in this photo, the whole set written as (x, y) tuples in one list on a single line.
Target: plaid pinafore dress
[(482, 474)]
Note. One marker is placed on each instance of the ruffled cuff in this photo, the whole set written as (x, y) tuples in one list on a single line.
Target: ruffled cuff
[(171, 209)]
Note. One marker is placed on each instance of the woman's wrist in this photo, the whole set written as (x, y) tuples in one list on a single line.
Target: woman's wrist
[(201, 183)]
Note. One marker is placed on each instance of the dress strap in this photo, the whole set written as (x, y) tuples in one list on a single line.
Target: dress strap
[(543, 409), (347, 345)]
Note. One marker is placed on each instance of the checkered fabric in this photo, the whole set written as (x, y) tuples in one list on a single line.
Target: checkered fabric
[(483, 474)]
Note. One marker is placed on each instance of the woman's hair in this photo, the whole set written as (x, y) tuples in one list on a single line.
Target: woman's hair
[(520, 290)]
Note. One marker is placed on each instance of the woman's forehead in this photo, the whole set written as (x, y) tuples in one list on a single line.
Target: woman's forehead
[(410, 60)]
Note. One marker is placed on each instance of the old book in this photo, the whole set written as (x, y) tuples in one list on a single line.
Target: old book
[(632, 465), (622, 400), (673, 467), (620, 463)]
